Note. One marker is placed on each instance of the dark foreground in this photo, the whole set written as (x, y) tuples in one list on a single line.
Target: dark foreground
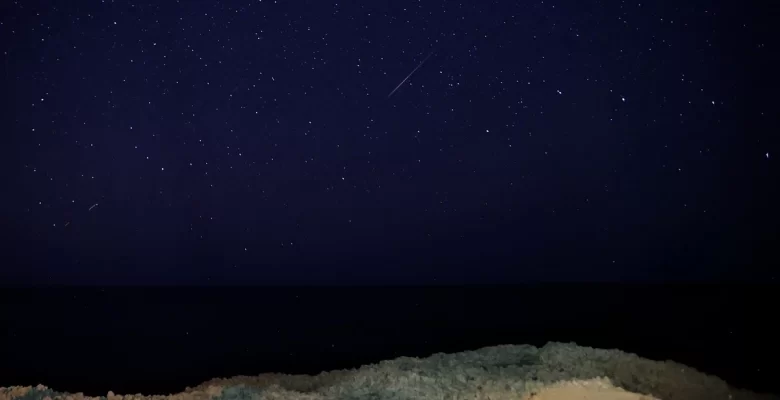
[(162, 340)]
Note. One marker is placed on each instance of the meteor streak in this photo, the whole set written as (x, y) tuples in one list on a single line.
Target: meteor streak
[(410, 74)]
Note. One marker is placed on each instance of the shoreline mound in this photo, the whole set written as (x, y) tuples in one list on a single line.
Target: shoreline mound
[(556, 371)]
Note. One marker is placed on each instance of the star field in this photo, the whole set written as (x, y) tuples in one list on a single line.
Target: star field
[(256, 141)]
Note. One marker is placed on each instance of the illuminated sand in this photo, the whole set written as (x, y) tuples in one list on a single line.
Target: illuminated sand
[(556, 371)]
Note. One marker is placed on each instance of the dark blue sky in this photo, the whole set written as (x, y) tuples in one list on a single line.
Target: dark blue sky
[(255, 142)]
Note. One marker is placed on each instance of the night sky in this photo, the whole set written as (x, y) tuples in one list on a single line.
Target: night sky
[(250, 142)]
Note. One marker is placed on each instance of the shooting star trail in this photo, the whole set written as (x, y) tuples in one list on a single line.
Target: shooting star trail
[(410, 74), (93, 206)]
